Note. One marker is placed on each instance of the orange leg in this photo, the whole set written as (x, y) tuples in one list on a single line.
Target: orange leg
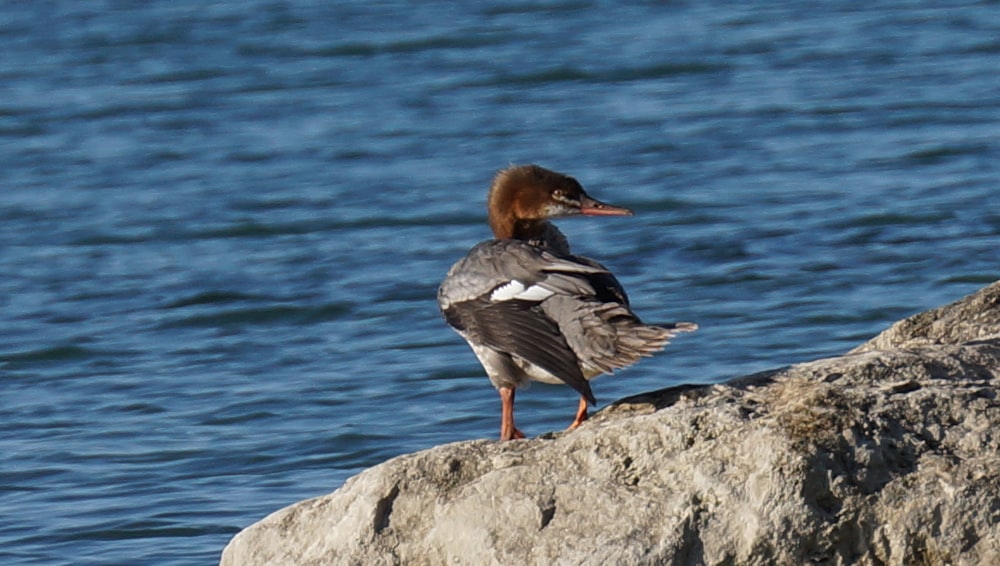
[(507, 429), (581, 414)]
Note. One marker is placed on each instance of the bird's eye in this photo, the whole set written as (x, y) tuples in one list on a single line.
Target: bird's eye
[(557, 193)]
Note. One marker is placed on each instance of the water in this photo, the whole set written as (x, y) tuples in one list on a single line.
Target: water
[(222, 226)]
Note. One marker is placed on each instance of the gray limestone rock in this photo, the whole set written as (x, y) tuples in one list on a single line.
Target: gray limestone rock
[(887, 455)]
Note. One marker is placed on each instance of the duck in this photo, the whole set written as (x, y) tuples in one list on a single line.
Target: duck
[(530, 309)]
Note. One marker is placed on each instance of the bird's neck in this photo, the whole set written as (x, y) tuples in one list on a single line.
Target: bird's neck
[(539, 233)]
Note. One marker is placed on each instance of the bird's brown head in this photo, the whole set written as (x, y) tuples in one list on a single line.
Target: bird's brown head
[(523, 197)]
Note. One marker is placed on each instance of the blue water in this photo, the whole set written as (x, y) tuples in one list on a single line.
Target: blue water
[(222, 224)]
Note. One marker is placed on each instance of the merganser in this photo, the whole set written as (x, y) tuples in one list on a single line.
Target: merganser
[(533, 311)]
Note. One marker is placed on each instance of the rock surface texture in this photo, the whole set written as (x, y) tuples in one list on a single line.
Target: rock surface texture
[(887, 455)]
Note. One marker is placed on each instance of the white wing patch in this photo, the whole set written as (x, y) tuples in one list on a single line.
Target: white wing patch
[(516, 290)]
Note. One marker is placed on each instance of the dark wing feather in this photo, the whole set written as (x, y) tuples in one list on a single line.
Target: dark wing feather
[(607, 289), (520, 329)]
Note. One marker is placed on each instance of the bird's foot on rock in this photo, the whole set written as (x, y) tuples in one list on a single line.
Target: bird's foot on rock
[(581, 414)]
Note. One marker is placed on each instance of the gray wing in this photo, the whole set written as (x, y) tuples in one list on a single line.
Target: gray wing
[(495, 263), (521, 330), (607, 336), (494, 297)]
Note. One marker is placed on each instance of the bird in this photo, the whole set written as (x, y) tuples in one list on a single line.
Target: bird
[(530, 309)]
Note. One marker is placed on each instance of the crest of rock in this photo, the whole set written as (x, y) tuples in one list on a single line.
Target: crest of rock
[(887, 455)]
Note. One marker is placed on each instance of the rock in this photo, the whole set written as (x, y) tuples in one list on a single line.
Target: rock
[(975, 317), (887, 455)]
